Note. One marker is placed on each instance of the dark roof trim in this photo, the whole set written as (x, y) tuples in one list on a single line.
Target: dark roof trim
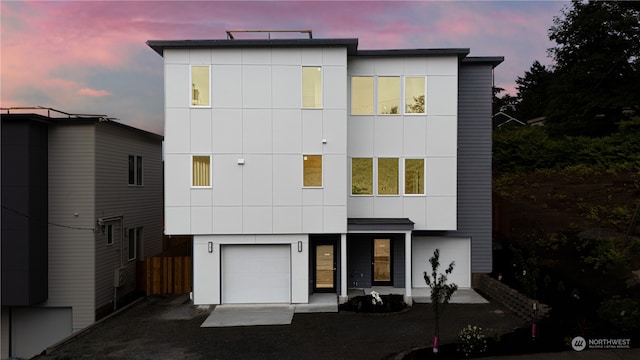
[(159, 45), (85, 120), (375, 224), (491, 60), (459, 52)]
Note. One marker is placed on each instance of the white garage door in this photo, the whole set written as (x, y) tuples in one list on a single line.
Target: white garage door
[(256, 274), (451, 249)]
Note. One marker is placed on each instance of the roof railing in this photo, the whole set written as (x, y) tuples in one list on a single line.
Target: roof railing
[(231, 37), (51, 112)]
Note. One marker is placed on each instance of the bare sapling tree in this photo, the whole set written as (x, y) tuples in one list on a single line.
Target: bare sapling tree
[(441, 291)]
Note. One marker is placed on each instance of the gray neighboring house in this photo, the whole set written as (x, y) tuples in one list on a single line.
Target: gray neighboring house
[(333, 167), (81, 205)]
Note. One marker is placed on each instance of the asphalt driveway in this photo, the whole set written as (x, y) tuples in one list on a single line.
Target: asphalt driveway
[(169, 328)]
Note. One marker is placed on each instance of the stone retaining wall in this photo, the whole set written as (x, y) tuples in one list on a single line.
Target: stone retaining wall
[(510, 298)]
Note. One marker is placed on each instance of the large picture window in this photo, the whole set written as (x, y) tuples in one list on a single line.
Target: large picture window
[(362, 176), (388, 95), (200, 86), (414, 176), (414, 95), (311, 87), (362, 95), (201, 171), (387, 176), (312, 170)]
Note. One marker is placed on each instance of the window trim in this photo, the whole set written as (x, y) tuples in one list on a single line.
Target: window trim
[(404, 96), (191, 104), (210, 171), (424, 176), (377, 95), (132, 240), (110, 234), (138, 170), (373, 177), (377, 177), (373, 95), (302, 87), (321, 171)]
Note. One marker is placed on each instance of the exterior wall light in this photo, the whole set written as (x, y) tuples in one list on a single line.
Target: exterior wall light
[(299, 246), (210, 247)]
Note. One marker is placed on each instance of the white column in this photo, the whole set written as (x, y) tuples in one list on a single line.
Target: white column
[(407, 267), (343, 269)]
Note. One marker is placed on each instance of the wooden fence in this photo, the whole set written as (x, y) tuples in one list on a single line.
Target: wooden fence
[(168, 275)]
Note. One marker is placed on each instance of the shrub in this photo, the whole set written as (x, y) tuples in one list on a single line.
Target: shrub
[(472, 341)]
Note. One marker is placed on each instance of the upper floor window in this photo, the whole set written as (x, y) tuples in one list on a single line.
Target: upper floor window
[(414, 90), (312, 170), (201, 171), (362, 176), (200, 86), (311, 87), (414, 176), (135, 170), (362, 95), (387, 176), (388, 95)]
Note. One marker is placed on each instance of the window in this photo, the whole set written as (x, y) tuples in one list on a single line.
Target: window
[(135, 170), (201, 171), (311, 87), (134, 233), (312, 170), (414, 176), (387, 176), (388, 95), (362, 95), (414, 95), (200, 86), (110, 234), (362, 176)]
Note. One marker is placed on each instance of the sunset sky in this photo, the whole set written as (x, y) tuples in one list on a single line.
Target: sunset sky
[(91, 57)]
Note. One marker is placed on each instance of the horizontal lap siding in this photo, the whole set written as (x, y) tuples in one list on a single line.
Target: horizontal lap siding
[(140, 206), (474, 162), (71, 245)]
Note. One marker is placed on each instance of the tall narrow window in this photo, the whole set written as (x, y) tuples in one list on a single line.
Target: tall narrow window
[(139, 244), (311, 87), (362, 95), (312, 168), (388, 95), (414, 95), (387, 176), (110, 234), (135, 170), (414, 176), (362, 176), (201, 171), (132, 244), (200, 87)]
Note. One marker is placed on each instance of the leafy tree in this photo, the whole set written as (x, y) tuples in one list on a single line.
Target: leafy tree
[(533, 90), (506, 103), (441, 291), (597, 68)]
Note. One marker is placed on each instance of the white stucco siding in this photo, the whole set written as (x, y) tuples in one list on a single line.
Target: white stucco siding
[(451, 249), (432, 136), (256, 114)]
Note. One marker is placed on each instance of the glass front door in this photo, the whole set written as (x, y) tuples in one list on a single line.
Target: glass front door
[(381, 261), (325, 267)]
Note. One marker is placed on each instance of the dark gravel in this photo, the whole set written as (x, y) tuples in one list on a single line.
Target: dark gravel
[(162, 329)]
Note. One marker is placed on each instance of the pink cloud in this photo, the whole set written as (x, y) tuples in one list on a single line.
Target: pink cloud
[(93, 92)]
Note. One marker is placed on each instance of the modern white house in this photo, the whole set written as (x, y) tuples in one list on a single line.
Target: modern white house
[(81, 206), (303, 166)]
